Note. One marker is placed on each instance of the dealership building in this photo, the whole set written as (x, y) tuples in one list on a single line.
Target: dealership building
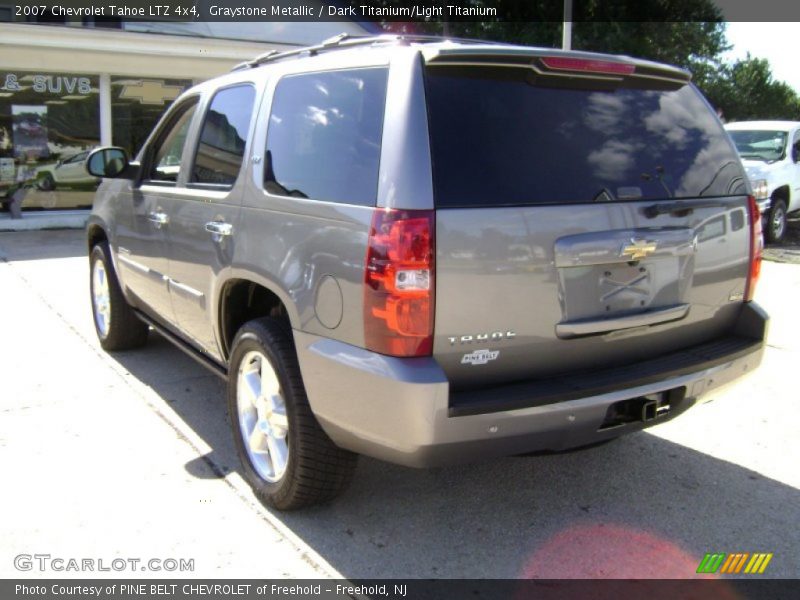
[(68, 87)]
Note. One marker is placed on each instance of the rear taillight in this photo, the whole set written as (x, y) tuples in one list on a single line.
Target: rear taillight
[(398, 283), (756, 246)]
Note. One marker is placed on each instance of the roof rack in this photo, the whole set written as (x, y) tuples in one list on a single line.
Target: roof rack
[(344, 41)]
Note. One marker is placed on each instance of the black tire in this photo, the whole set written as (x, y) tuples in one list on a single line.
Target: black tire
[(46, 183), (317, 470), (124, 330), (775, 226)]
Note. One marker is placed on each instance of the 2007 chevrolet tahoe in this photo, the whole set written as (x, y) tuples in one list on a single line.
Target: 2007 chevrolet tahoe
[(429, 251)]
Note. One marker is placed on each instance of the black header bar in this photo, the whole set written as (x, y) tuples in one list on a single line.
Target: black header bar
[(394, 589), (400, 11)]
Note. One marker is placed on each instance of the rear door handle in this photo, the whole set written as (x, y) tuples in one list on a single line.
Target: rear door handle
[(159, 219), (219, 230)]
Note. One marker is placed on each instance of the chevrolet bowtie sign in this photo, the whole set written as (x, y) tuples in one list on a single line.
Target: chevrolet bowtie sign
[(150, 92), (638, 249)]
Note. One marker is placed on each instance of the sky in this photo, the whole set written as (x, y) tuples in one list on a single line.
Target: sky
[(773, 41)]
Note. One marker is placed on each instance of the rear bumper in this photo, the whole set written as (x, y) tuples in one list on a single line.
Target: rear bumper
[(401, 410)]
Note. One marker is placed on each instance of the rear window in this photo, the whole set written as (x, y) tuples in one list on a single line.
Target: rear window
[(497, 139)]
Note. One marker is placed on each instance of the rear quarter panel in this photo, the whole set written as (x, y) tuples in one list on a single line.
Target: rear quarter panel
[(308, 252)]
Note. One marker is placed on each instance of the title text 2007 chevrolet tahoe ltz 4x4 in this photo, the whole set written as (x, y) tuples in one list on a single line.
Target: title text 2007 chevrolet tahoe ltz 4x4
[(429, 251)]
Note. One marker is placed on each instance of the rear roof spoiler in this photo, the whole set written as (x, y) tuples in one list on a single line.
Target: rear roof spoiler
[(557, 63)]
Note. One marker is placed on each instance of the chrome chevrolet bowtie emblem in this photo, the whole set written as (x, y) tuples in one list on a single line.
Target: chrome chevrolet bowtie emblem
[(638, 249)]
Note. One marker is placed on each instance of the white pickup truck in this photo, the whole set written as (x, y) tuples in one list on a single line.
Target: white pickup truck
[(770, 152)]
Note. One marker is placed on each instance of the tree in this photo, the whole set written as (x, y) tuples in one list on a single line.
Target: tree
[(688, 33), (693, 45), (684, 33), (746, 90)]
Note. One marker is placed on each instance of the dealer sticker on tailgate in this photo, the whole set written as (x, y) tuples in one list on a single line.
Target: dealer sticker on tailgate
[(479, 357)]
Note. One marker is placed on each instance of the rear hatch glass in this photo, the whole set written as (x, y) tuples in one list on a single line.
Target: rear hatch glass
[(501, 135)]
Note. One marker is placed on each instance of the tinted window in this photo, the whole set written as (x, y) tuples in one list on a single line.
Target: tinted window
[(324, 137), (169, 146), (223, 137), (497, 139)]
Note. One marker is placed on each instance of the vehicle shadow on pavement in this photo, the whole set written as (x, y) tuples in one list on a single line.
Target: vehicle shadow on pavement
[(638, 507)]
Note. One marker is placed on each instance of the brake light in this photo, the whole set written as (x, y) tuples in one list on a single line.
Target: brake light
[(398, 283), (562, 63), (756, 247)]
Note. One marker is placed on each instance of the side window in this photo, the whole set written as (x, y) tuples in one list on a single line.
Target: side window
[(324, 136), (223, 137), (168, 148), (712, 229), (78, 158)]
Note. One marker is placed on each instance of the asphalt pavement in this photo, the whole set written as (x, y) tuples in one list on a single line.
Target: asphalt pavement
[(129, 455)]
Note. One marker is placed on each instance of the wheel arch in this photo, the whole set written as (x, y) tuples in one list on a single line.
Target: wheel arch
[(95, 233), (782, 193), (245, 297)]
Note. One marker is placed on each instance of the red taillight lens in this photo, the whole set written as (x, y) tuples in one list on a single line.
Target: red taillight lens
[(756, 247), (562, 63), (398, 290)]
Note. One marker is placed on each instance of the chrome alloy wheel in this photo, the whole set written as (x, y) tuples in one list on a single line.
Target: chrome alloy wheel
[(778, 218), (101, 299), (263, 423)]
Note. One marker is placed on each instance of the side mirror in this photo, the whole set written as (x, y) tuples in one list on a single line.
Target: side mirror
[(111, 162), (796, 152)]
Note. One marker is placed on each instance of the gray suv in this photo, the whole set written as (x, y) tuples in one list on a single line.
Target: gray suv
[(430, 251)]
